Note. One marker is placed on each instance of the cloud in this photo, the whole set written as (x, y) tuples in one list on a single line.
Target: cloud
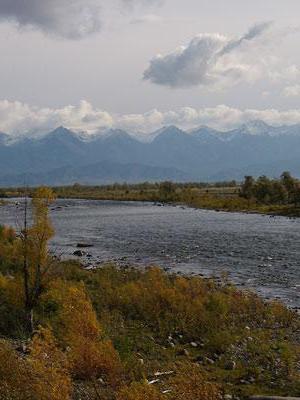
[(208, 60), (291, 91), (70, 19), (254, 32), (18, 119), (147, 19)]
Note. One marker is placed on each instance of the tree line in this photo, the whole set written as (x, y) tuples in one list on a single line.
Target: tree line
[(285, 190)]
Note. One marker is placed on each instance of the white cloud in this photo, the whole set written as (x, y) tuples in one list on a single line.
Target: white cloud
[(210, 60), (71, 19), (291, 91), (18, 119)]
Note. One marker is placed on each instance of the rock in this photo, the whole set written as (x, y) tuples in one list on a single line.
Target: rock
[(84, 245), (22, 348), (230, 365), (228, 397), (194, 344), (183, 352), (153, 381), (165, 373), (209, 361), (78, 253)]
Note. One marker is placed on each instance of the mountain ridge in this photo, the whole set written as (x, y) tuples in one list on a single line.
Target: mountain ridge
[(201, 154)]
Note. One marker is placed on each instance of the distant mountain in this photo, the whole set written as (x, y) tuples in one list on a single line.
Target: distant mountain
[(3, 138), (104, 172), (63, 156)]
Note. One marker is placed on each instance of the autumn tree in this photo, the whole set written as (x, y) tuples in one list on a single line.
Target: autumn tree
[(36, 260)]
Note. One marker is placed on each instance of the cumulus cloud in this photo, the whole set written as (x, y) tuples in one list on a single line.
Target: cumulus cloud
[(208, 60), (17, 118), (71, 19)]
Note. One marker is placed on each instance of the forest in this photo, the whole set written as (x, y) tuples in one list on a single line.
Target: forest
[(132, 334)]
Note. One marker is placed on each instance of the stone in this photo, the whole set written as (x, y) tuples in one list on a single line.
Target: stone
[(78, 253), (230, 365), (183, 352)]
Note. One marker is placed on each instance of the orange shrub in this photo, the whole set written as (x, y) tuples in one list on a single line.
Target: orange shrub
[(140, 391), (40, 376), (190, 384), (79, 331)]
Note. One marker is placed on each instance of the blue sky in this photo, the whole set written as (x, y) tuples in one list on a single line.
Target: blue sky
[(91, 64)]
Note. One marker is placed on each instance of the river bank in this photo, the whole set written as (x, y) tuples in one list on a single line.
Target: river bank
[(200, 196)]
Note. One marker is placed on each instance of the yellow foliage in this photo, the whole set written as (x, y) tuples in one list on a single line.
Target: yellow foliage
[(49, 365), (91, 359), (14, 292), (42, 229), (77, 327), (190, 384), (76, 316), (3, 282), (140, 391), (40, 376)]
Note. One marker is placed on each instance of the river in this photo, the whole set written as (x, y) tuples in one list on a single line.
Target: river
[(258, 252)]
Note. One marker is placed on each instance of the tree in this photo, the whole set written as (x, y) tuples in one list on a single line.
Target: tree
[(263, 189), (296, 194), (248, 187), (36, 260), (279, 193), (167, 191), (289, 183)]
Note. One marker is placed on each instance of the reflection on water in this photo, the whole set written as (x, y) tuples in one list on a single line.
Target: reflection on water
[(259, 252)]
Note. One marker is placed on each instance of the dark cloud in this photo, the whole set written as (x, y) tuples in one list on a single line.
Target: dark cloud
[(71, 19), (252, 33), (202, 61)]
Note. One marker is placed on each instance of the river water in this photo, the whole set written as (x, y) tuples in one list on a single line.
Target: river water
[(255, 251)]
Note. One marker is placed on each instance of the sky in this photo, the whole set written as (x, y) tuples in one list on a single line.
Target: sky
[(143, 64)]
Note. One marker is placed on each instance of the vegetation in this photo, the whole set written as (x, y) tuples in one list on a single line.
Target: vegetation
[(263, 195), (128, 334)]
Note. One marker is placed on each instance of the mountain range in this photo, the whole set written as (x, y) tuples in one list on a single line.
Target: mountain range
[(63, 157)]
